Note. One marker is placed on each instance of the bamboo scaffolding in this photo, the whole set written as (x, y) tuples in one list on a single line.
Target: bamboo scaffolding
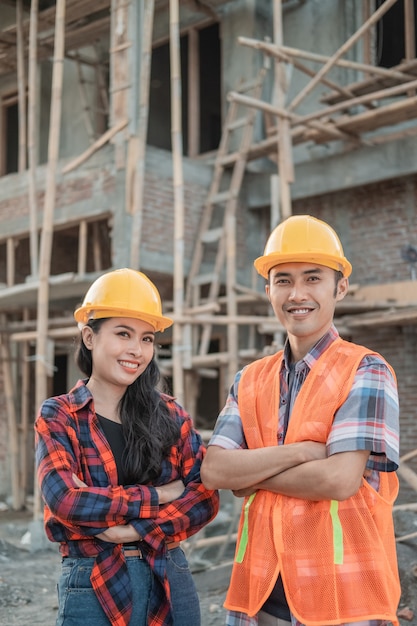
[(11, 420), (367, 38), (139, 153), (375, 70), (409, 35), (24, 413), (368, 85), (285, 164), (353, 102), (329, 130), (101, 141), (42, 371), (78, 30), (340, 52), (21, 82), (194, 93), (280, 53), (385, 116), (32, 137), (11, 261), (177, 152)]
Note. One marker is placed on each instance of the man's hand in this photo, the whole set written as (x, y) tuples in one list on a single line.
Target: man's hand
[(171, 491), (313, 450), (242, 493)]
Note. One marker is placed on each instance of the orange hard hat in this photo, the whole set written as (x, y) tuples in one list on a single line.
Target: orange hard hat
[(304, 239), (123, 293)]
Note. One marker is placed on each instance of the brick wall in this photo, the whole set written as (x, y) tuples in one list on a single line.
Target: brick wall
[(374, 222), (158, 221)]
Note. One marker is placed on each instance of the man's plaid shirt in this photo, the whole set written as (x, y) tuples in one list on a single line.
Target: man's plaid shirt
[(69, 440)]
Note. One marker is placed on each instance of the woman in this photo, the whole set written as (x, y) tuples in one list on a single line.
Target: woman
[(119, 470)]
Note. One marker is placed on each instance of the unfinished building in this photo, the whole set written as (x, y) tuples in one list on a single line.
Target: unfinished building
[(170, 137)]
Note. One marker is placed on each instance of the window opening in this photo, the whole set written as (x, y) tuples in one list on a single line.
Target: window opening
[(390, 34), (210, 86), (10, 139), (201, 104), (59, 384)]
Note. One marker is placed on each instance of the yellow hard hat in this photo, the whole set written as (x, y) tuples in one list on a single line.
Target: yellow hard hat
[(305, 239), (123, 293)]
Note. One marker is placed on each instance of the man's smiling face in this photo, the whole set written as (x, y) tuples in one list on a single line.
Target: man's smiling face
[(303, 297)]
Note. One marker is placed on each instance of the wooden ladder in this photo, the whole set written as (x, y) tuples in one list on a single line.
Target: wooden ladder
[(216, 239)]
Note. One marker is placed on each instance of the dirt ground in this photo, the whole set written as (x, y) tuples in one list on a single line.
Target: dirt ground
[(28, 579)]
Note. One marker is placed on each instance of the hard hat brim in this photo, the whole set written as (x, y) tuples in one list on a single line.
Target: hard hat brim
[(265, 263), (83, 314)]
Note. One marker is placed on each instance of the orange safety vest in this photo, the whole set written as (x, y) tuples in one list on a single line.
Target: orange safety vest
[(337, 559)]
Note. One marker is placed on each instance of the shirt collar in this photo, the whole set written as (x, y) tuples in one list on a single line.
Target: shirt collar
[(80, 395), (316, 351)]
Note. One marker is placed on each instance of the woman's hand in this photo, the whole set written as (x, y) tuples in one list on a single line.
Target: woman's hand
[(78, 482), (120, 534), (124, 533)]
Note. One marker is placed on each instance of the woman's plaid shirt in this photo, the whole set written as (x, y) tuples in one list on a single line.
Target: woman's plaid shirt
[(69, 440)]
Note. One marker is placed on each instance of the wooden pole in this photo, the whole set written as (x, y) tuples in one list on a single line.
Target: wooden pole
[(384, 72), (32, 137), (232, 327), (288, 53), (11, 418), (11, 261), (409, 32), (43, 369), (285, 164), (367, 45), (177, 152), (353, 102), (21, 81), (193, 93), (139, 167), (101, 141), (24, 412), (342, 50)]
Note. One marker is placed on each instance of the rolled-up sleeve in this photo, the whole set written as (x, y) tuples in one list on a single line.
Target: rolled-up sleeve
[(228, 431), (369, 418)]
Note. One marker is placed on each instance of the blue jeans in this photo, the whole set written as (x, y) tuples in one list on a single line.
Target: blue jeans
[(78, 604), (184, 597)]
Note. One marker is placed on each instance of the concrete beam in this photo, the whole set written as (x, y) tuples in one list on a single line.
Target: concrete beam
[(337, 172)]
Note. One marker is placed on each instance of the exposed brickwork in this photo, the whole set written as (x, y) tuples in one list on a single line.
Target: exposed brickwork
[(374, 223), (158, 223)]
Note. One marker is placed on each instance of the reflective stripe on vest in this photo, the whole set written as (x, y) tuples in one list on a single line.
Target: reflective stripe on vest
[(337, 560)]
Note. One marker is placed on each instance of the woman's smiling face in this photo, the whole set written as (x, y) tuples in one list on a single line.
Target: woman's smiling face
[(121, 350)]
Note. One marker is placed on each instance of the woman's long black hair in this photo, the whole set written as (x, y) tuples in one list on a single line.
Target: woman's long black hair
[(148, 426)]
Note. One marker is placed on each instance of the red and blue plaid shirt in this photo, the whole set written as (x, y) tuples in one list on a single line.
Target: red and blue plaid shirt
[(69, 440)]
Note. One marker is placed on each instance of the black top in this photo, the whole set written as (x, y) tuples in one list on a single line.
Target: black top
[(115, 437)]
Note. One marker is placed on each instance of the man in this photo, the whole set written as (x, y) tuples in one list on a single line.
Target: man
[(310, 437)]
